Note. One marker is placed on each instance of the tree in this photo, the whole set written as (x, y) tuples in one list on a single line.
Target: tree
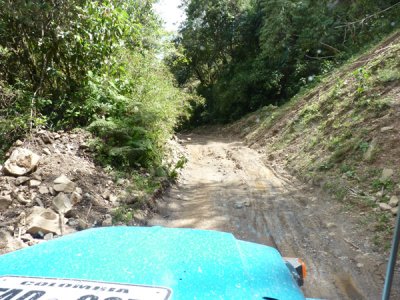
[(66, 64), (246, 54)]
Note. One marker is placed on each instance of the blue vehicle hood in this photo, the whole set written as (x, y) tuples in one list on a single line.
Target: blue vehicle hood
[(193, 264)]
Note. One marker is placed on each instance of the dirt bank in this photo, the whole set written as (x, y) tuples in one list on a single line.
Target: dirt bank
[(65, 176), (226, 186)]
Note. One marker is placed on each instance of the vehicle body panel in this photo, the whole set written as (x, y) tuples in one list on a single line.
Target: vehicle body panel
[(194, 264)]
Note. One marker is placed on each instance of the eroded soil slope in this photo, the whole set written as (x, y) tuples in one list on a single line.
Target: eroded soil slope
[(226, 186), (30, 203)]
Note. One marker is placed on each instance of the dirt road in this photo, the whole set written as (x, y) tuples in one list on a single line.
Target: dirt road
[(226, 186)]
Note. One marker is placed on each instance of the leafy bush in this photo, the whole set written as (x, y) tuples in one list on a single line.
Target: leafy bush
[(90, 63), (136, 112)]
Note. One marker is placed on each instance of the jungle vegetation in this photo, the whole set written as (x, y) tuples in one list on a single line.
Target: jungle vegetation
[(241, 55)]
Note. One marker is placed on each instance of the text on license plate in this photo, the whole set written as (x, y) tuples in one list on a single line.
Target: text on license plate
[(34, 288)]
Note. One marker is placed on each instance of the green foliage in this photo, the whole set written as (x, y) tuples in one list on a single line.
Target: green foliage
[(13, 115), (347, 170), (53, 46), (123, 214), (145, 183), (363, 146), (336, 188), (379, 184), (384, 230), (245, 54), (136, 112), (173, 171), (389, 75), (361, 76), (90, 63)]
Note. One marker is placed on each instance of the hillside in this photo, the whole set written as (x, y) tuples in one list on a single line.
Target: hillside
[(342, 135), (51, 185)]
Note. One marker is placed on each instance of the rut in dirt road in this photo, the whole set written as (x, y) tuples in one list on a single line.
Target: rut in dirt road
[(226, 186)]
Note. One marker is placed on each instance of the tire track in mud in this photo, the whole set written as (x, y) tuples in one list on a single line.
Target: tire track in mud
[(225, 186)]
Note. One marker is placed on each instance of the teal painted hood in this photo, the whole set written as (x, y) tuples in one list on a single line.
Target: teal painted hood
[(193, 264)]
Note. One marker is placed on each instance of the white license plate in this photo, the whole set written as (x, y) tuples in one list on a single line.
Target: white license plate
[(34, 288)]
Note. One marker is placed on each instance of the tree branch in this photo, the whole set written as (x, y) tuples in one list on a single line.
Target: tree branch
[(361, 21)]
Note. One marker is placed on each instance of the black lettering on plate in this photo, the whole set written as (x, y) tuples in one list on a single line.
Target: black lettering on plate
[(96, 288), (43, 283), (27, 283), (10, 294), (89, 297), (32, 295), (125, 291), (86, 287)]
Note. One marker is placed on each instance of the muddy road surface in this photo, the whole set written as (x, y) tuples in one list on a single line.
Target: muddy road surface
[(227, 186)]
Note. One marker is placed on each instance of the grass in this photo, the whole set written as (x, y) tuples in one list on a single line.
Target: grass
[(383, 229), (332, 129), (379, 184), (139, 189), (335, 188), (329, 132), (123, 214), (388, 75)]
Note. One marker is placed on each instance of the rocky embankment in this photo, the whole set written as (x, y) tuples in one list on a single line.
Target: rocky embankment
[(49, 186)]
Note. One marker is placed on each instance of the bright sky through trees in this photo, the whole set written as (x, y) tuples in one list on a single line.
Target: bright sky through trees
[(170, 13)]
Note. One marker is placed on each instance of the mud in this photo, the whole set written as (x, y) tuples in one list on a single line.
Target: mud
[(226, 186)]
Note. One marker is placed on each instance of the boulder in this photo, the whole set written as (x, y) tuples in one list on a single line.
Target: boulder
[(5, 202), (107, 221), (21, 199), (387, 128), (22, 161), (39, 201), (21, 180), (384, 206), (62, 203), (36, 176), (48, 236), (9, 243), (43, 190), (18, 143), (46, 138), (394, 201), (113, 198), (32, 195), (63, 184), (43, 220), (76, 198), (34, 183), (52, 191), (46, 151), (368, 155), (386, 174)]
